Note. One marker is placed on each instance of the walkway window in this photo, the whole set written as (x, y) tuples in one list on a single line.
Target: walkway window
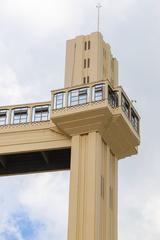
[(112, 97), (98, 92), (3, 117), (125, 105), (59, 100), (40, 113), (78, 97), (134, 120), (19, 115)]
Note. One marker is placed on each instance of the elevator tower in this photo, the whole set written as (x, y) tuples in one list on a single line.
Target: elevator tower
[(87, 127)]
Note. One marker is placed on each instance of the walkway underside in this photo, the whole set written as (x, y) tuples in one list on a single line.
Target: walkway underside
[(33, 162)]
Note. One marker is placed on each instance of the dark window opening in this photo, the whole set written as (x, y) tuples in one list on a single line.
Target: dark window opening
[(125, 105), (88, 63), (85, 46), (98, 92), (112, 98), (134, 120), (89, 44)]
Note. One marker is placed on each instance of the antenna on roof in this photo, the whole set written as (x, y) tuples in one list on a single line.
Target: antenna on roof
[(98, 6)]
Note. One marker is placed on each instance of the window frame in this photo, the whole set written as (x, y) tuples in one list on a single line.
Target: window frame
[(112, 98), (61, 103), (3, 121), (42, 117), (78, 96), (100, 97), (125, 105), (134, 120), (22, 112)]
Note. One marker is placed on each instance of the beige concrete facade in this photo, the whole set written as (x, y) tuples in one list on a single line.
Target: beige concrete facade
[(93, 189), (94, 118), (89, 59), (30, 136)]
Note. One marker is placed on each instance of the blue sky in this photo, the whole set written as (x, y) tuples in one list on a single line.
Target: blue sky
[(24, 225), (33, 35)]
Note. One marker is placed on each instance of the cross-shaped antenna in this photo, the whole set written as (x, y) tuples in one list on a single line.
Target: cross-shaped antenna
[(98, 6)]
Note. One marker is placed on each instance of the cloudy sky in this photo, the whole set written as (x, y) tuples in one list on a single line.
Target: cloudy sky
[(33, 34)]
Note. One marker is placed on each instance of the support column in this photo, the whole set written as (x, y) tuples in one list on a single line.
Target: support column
[(89, 189)]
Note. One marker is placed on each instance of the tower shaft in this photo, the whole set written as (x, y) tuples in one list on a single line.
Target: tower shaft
[(93, 189)]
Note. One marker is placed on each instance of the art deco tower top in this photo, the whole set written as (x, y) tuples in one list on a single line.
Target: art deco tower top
[(89, 59)]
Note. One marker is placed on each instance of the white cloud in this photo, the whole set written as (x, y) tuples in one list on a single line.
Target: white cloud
[(42, 197), (10, 88), (38, 15)]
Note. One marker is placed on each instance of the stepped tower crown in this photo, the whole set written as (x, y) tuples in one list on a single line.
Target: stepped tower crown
[(89, 59)]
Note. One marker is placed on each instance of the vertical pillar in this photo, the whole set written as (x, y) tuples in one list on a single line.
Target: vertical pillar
[(89, 216)]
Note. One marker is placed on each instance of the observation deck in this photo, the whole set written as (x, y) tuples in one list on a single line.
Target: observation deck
[(98, 107)]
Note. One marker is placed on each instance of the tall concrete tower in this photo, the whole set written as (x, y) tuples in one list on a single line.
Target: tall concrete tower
[(87, 127), (103, 126)]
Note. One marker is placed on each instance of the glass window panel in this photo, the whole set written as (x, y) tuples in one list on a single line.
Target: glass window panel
[(44, 118), (134, 120), (112, 98), (125, 106), (98, 92), (40, 113), (74, 93), (20, 115), (3, 117), (78, 96), (59, 100)]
